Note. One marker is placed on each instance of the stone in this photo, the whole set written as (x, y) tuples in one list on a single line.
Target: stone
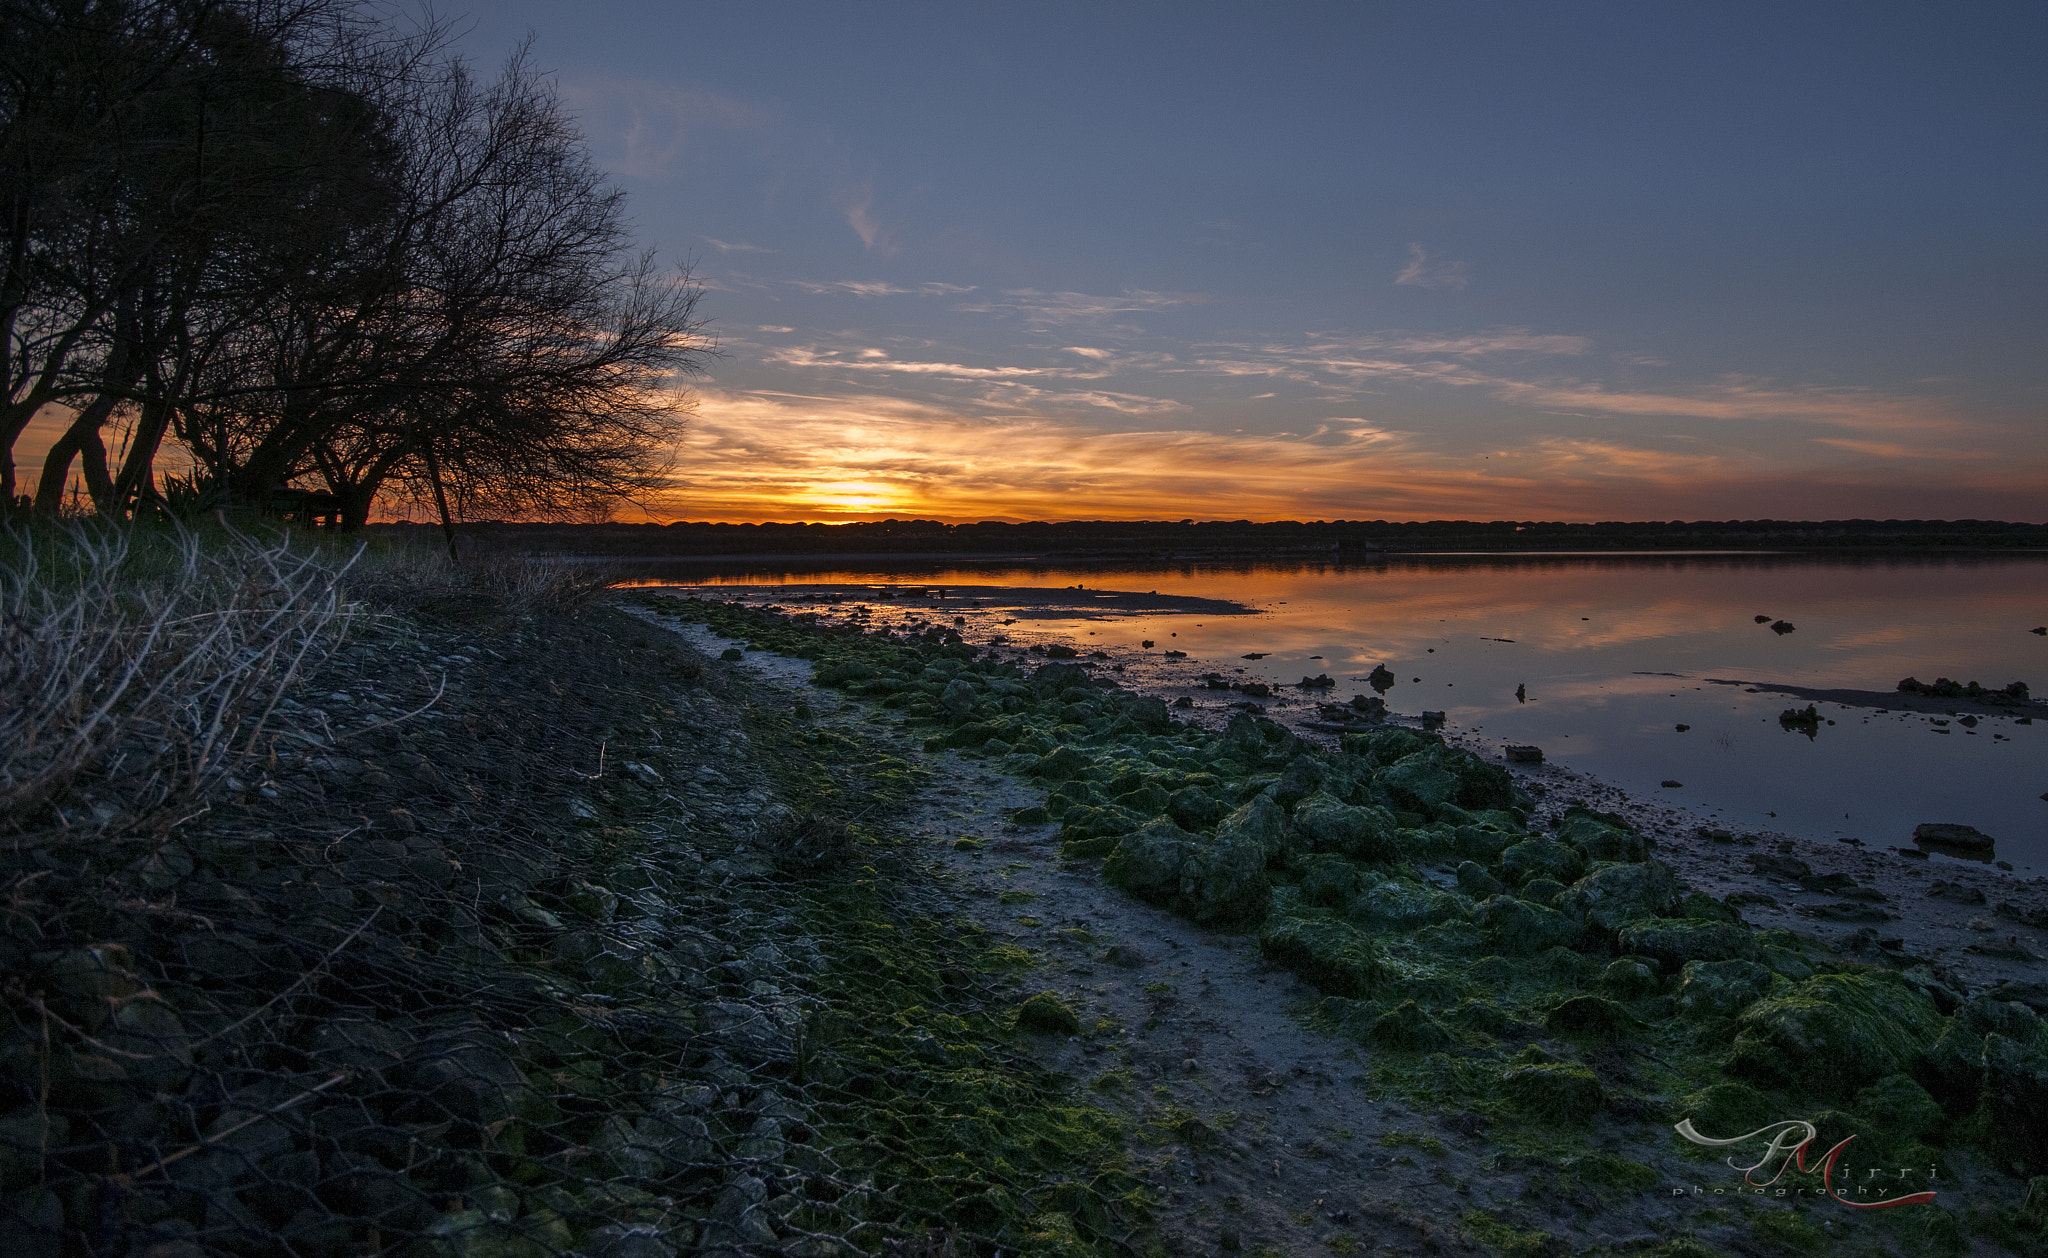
[(1474, 881), (959, 697), (1591, 1017), (1401, 906), (1900, 1106), (1611, 898), (1541, 858), (1721, 988), (1629, 978), (1518, 928), (1335, 956), (1303, 777), (1193, 808), (1125, 957), (1523, 753), (1600, 836), (1724, 1110), (1954, 892), (1774, 866), (2016, 1085), (1554, 1092), (1223, 881), (1147, 863), (1939, 834), (1260, 824), (1330, 825), (1331, 881), (1061, 764), (1047, 1014), (1835, 1033), (1674, 941), (1409, 1028)]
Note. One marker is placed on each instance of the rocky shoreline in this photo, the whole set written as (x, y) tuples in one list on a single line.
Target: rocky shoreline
[(1396, 877)]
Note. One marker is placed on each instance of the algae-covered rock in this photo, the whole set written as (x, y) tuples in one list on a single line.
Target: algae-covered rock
[(1519, 928), (1089, 822), (1613, 897), (1952, 1068), (1629, 978), (1259, 824), (1487, 1018), (1724, 1110), (1302, 778), (1334, 955), (1900, 1106), (1047, 1014), (1147, 800), (1400, 905), (1600, 836), (1193, 808), (1554, 1092), (959, 696), (1422, 782), (2016, 1096), (1541, 858), (1474, 881), (1591, 1017), (1835, 1033), (1543, 891), (1409, 1028), (1223, 882), (1147, 863), (1331, 881), (1721, 988), (1387, 745), (1330, 825), (1060, 764), (1052, 680), (1677, 940), (1149, 714)]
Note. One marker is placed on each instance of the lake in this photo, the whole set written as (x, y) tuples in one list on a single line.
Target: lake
[(1613, 655)]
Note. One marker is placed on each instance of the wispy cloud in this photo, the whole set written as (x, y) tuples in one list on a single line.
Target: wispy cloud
[(645, 129), (1045, 310), (734, 246), (856, 202), (879, 288), (1423, 271), (790, 456)]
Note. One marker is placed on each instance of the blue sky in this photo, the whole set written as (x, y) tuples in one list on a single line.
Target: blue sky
[(1320, 261)]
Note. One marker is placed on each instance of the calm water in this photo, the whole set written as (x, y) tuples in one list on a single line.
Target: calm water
[(1614, 652)]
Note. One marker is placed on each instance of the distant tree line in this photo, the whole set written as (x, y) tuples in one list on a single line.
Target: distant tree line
[(1342, 540), (316, 252)]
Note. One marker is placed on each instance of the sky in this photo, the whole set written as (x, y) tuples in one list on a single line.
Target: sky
[(1346, 261)]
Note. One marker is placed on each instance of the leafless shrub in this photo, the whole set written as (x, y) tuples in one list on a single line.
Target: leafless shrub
[(132, 660)]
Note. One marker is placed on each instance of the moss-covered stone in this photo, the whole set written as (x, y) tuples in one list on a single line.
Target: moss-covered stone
[(1519, 928), (2015, 1096), (1194, 808), (1331, 825), (1835, 1033), (1900, 1107), (1726, 1109), (1612, 897), (1223, 882), (1474, 881), (1147, 863), (1721, 988), (1629, 978), (1387, 745), (1047, 1014), (1060, 764), (1554, 1092), (1600, 836), (1260, 825), (1302, 778), (1541, 858), (1334, 955), (1591, 1017), (1330, 881), (1399, 905), (1673, 941), (1409, 1028)]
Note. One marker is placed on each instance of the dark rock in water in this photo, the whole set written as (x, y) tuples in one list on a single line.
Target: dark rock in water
[(1954, 892), (1941, 834), (1524, 753), (1320, 681), (1683, 727), (1522, 694), (1058, 652), (1804, 720), (1763, 620), (1183, 702), (1371, 705), (1845, 911), (1256, 655), (2040, 630), (1381, 678), (1432, 718), (1146, 644), (1671, 784), (1176, 655), (1943, 688), (1782, 627), (1254, 689)]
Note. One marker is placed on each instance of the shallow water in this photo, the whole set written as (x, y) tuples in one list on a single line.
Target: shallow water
[(1616, 652)]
